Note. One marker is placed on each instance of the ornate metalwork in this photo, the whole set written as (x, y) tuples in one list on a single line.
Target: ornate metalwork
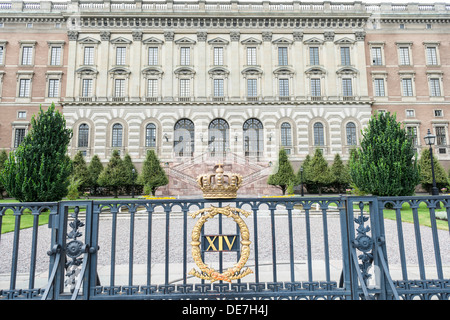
[(225, 187), (74, 249), (234, 272), (364, 243)]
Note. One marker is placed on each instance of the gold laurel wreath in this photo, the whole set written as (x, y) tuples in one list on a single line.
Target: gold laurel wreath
[(234, 272)]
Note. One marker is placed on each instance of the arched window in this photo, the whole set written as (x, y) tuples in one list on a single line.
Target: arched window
[(183, 142), (150, 135), (218, 141), (83, 136), (351, 134), (117, 133), (319, 139), (286, 134), (253, 137)]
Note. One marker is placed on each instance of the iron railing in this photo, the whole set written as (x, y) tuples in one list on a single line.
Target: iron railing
[(301, 248)]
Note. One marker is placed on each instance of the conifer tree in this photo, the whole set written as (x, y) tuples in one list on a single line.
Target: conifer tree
[(318, 171), (284, 174), (39, 169), (80, 171), (95, 168), (114, 174), (385, 165), (339, 174), (152, 175), (3, 158), (426, 177)]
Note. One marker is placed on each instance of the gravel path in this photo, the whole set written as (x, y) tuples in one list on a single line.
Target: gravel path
[(264, 241)]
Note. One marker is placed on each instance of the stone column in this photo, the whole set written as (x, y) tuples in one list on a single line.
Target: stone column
[(169, 62), (235, 65), (103, 80), (201, 59), (266, 66)]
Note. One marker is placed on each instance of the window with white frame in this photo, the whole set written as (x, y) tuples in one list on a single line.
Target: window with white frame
[(152, 87), (435, 87), (252, 90), (185, 56), (377, 59), (286, 135), (218, 88), (282, 56), (347, 90), (83, 136), (121, 54), (440, 136), (86, 90), (432, 59), (150, 135), (2, 54), (411, 133), (88, 56), (404, 56), (283, 87), (438, 113), (24, 88), (19, 136), (350, 130), (407, 87), (119, 88), (55, 56), (314, 56), (53, 88), (410, 113), (218, 56), (251, 56), (117, 133), (345, 56), (379, 87), (27, 55), (185, 87), (315, 87), (153, 56), (319, 137), (21, 115)]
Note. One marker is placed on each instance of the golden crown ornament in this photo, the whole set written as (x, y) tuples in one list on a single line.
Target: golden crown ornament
[(219, 185)]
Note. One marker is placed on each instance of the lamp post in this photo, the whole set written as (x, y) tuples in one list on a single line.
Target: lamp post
[(301, 180), (133, 171), (429, 140)]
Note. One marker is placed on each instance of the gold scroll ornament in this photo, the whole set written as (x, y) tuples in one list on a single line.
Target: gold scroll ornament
[(234, 272)]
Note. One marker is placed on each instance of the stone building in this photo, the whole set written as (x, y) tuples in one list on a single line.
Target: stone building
[(230, 82)]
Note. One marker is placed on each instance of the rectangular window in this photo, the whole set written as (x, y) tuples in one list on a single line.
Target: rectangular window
[(53, 88), (435, 88), (152, 89), (315, 88), (440, 136), (407, 87), (284, 87), (438, 113), (21, 115), (1, 54), (432, 56), (119, 88), (314, 56), (55, 56), (379, 87), (411, 132), (152, 56), (347, 88), (410, 113), (24, 88), (251, 56), (87, 88), (185, 86), (121, 53), (282, 56), (251, 88), (218, 56), (218, 87), (345, 56), (18, 137), (185, 56), (377, 59), (27, 55), (404, 56), (88, 56)]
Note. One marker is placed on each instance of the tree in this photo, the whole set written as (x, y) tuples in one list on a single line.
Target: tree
[(80, 171), (339, 174), (385, 165), (95, 168), (130, 174), (318, 171), (114, 174), (284, 174), (39, 169), (152, 175), (3, 158), (426, 177)]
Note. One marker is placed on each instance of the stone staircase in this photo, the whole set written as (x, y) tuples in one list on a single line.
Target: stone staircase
[(183, 175)]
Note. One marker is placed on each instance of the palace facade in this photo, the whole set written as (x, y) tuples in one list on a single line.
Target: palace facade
[(230, 82)]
